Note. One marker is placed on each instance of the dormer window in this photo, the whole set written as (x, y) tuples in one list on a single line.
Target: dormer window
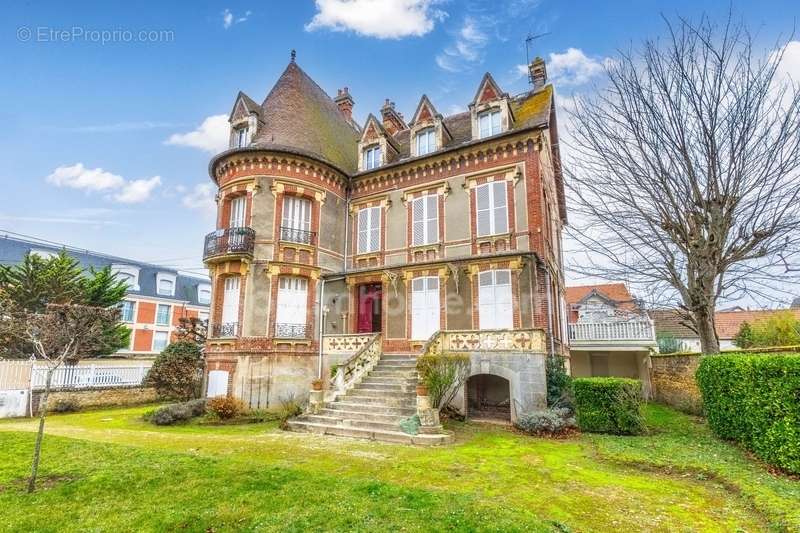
[(489, 123), (165, 284), (242, 136), (204, 294), (426, 141), (372, 157), (127, 273)]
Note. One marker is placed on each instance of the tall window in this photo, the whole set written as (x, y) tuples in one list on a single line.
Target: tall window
[(241, 136), (489, 123), (372, 157), (369, 230), (426, 141), (425, 215), (238, 205), (166, 287), (291, 307), (162, 315), (296, 221), (126, 310), (495, 307), (230, 301), (492, 208), (160, 340)]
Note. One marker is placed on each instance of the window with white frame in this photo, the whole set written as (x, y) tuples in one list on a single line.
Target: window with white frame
[(127, 273), (242, 136), (495, 304), (372, 157), (238, 205), (296, 220), (425, 220), (204, 294), (291, 307), (426, 141), (166, 287), (369, 230), (160, 340), (489, 123), (230, 301), (126, 310), (491, 208), (162, 314)]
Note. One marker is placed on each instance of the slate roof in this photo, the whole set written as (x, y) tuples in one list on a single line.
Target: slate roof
[(13, 250), (796, 302)]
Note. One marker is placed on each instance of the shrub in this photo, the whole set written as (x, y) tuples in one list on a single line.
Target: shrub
[(777, 329), (549, 422), (755, 400), (65, 405), (176, 412), (609, 405), (559, 383), (667, 343), (289, 408), (225, 408), (177, 371), (443, 375)]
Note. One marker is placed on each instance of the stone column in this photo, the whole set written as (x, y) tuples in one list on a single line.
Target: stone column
[(316, 401), (428, 416)]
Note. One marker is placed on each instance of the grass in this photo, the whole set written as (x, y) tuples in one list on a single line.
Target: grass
[(109, 470)]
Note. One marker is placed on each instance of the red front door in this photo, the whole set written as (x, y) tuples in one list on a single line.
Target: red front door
[(369, 308)]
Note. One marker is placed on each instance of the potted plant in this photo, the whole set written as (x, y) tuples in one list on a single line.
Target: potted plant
[(422, 389), (317, 384)]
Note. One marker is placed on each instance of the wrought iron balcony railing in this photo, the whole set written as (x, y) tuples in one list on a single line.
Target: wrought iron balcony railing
[(297, 235), (229, 241), (226, 329), (290, 331)]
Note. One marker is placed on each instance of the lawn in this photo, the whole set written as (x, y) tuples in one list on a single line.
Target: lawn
[(109, 470)]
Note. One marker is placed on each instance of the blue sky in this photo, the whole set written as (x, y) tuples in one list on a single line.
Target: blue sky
[(105, 145)]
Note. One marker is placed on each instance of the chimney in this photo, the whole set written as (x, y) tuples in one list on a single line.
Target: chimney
[(537, 73), (345, 103), (392, 120)]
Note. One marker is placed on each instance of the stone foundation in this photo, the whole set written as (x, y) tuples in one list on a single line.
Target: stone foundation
[(673, 382), (96, 398)]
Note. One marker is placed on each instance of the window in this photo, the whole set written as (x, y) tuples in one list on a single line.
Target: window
[(426, 141), (127, 273), (203, 317), (372, 157), (126, 310), (162, 315), (204, 294), (425, 307), (160, 340), (230, 301), (237, 212), (369, 230), (241, 136), (489, 123), (166, 287), (492, 208), (291, 308), (296, 220), (495, 308), (425, 215)]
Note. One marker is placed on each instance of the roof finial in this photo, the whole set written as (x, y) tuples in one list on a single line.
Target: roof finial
[(294, 54)]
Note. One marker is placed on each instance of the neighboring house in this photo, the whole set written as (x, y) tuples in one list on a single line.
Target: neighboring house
[(403, 228), (156, 300), (609, 333), (671, 322), (796, 303)]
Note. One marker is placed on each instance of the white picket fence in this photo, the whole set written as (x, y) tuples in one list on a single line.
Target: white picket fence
[(88, 377)]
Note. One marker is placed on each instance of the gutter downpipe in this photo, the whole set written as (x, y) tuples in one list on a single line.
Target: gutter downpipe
[(549, 310)]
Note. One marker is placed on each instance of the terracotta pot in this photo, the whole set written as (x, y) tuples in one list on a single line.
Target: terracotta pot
[(316, 384), (422, 390)]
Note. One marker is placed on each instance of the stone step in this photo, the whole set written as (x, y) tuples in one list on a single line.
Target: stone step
[(385, 387), (395, 365), (361, 390), (399, 357), (380, 401), (375, 381), (371, 434), (408, 374), (366, 416), (357, 406), (347, 422)]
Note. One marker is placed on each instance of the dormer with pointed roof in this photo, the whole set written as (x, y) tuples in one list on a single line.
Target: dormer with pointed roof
[(427, 124), (244, 120), (375, 136), (489, 110)]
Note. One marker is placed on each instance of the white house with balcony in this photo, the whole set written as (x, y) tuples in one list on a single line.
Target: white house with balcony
[(609, 333)]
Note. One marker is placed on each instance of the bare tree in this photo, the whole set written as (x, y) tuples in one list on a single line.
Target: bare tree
[(685, 172), (61, 334)]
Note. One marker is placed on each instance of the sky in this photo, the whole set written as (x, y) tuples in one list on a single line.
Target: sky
[(110, 111)]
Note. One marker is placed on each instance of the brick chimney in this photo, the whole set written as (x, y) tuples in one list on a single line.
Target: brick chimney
[(537, 73), (345, 103), (392, 120)]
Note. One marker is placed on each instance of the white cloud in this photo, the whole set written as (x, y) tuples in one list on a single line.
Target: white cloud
[(137, 191), (229, 19), (211, 136), (119, 126), (466, 49), (384, 19), (789, 67), (201, 197), (79, 177), (574, 67)]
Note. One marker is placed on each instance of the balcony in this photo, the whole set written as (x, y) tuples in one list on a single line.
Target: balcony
[(230, 241), (612, 334), (298, 236), (226, 329), (290, 331)]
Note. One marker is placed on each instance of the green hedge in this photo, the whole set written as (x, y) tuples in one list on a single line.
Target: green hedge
[(755, 400), (609, 405)]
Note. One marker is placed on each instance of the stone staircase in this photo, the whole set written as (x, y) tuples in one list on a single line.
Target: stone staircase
[(374, 408)]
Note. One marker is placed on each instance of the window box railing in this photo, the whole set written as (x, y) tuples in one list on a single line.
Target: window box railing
[(634, 330), (291, 331), (298, 235), (239, 240), (226, 329)]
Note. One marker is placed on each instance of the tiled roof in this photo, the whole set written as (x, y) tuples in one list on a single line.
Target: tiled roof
[(671, 322), (13, 251), (298, 114), (728, 322), (617, 292)]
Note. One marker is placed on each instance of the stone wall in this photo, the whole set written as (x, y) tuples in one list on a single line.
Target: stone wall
[(673, 382), (95, 398)]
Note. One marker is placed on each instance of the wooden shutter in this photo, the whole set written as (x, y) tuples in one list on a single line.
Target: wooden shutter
[(292, 300), (230, 300), (237, 212), (424, 307), (296, 213)]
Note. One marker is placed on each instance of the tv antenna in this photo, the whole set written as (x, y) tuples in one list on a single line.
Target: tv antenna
[(528, 40)]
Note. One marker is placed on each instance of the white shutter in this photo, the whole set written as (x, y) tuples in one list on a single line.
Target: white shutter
[(363, 231), (424, 307), (483, 203), (292, 301), (500, 207), (495, 303), (486, 300), (375, 229), (230, 300), (296, 213), (425, 217), (217, 383), (491, 208), (237, 212)]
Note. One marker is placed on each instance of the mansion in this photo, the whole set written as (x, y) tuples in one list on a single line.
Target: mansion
[(336, 239)]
